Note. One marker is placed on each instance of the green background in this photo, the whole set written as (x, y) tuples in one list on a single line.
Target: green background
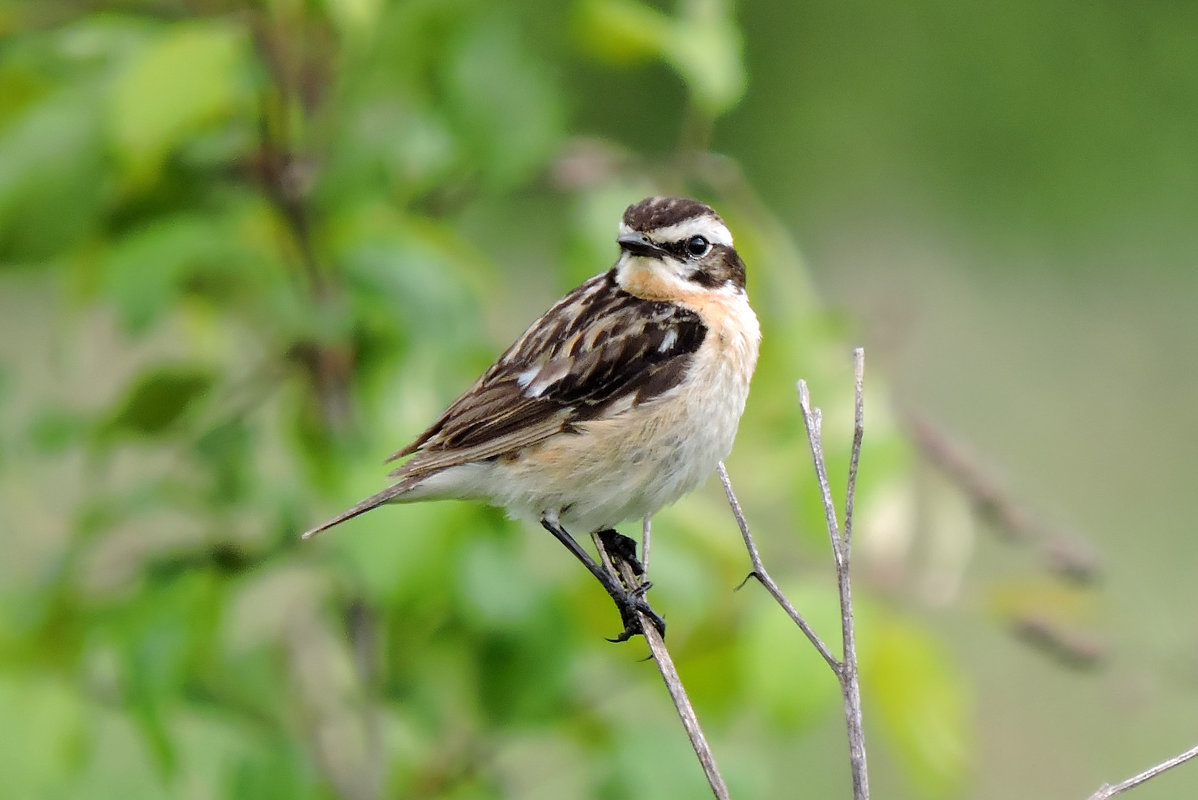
[(248, 249)]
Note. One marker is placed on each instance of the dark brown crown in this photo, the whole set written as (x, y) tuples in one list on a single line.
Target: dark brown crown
[(661, 212)]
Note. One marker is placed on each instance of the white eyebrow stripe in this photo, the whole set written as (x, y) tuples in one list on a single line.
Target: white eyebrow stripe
[(705, 226)]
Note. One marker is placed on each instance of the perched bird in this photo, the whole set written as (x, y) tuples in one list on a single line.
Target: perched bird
[(620, 399)]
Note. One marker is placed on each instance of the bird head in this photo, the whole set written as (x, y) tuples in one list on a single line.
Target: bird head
[(682, 242)]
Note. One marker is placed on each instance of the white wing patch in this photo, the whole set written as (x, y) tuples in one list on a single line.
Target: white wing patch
[(668, 341), (536, 380), (526, 377)]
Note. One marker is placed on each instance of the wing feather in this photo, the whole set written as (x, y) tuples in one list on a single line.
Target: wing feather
[(599, 349)]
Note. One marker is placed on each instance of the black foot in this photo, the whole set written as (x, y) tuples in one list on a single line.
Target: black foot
[(632, 605), (622, 547)]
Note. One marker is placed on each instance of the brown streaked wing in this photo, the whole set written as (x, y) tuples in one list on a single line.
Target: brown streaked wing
[(598, 346)]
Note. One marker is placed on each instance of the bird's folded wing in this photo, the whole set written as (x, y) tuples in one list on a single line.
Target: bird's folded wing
[(598, 352)]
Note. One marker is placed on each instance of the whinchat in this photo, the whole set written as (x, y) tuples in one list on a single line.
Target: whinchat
[(620, 399)]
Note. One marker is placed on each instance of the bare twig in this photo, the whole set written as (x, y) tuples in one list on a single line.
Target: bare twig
[(1107, 790), (850, 685), (850, 491), (846, 670), (669, 673), (763, 576)]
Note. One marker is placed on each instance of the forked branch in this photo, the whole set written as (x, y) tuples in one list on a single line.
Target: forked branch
[(846, 669)]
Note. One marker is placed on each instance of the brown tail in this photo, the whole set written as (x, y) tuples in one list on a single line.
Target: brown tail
[(374, 501)]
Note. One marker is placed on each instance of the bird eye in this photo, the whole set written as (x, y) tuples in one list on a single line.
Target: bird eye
[(697, 246)]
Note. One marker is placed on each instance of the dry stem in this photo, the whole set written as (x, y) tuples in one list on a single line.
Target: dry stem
[(1107, 790), (846, 670), (669, 673)]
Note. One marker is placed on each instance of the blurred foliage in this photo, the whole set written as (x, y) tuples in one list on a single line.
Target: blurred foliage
[(255, 247)]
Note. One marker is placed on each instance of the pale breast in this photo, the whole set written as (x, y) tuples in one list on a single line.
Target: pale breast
[(633, 464)]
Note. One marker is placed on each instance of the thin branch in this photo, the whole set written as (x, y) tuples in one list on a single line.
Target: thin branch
[(669, 673), (855, 454), (813, 420), (846, 670), (763, 576), (850, 685), (1107, 790)]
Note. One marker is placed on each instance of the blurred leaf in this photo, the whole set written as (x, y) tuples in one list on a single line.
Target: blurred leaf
[(225, 449), (405, 556), (46, 722), (495, 595), (652, 761), (706, 52), (189, 78), (922, 704), (158, 400), (54, 430), (493, 81), (623, 31), (355, 18), (702, 45), (527, 674), (785, 677), (276, 771), (410, 275), (51, 160), (160, 653), (146, 270)]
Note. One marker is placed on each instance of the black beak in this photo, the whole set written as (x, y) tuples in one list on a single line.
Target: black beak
[(639, 245)]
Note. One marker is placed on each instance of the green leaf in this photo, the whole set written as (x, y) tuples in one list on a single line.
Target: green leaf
[(225, 451), (48, 725), (354, 18), (54, 430), (52, 183), (922, 704), (186, 80), (161, 654), (274, 770), (705, 51), (702, 45), (158, 400), (506, 108), (490, 596), (147, 269), (623, 31)]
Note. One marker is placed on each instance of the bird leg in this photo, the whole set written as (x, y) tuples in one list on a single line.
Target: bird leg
[(629, 602)]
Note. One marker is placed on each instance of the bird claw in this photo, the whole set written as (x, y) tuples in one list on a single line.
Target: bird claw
[(632, 605)]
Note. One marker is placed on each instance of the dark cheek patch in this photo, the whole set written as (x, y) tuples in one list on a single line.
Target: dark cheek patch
[(721, 267), (708, 280)]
